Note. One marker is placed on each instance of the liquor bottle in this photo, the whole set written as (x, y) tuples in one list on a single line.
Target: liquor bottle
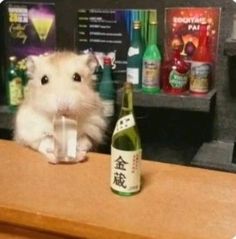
[(151, 62), (126, 149), (135, 56), (201, 64), (106, 88), (175, 74), (14, 85), (22, 72)]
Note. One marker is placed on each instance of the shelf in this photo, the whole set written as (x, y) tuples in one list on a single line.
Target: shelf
[(216, 155), (230, 47), (185, 101), (6, 118), (161, 100)]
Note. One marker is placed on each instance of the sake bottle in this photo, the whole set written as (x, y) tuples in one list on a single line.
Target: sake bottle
[(106, 88), (126, 149), (151, 62), (134, 58)]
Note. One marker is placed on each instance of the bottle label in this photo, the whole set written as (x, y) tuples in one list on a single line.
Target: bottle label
[(15, 91), (199, 77), (178, 80), (133, 51), (108, 108), (124, 123), (125, 170), (133, 75), (151, 72)]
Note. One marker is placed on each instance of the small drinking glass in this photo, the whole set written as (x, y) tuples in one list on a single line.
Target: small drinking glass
[(65, 139)]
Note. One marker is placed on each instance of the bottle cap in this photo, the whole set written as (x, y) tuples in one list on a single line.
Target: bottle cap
[(12, 58), (153, 22), (128, 85), (137, 24), (107, 60)]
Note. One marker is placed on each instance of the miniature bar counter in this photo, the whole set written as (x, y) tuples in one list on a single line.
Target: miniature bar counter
[(40, 200)]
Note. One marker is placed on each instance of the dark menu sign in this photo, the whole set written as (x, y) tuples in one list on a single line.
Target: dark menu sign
[(104, 31)]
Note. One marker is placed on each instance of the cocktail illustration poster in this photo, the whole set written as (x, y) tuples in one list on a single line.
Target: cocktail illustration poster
[(31, 29)]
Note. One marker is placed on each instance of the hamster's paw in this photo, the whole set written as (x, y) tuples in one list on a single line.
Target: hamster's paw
[(81, 156), (46, 147), (83, 146)]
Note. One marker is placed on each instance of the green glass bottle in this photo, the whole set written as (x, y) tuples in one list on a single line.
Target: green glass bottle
[(135, 57), (126, 152), (14, 85), (151, 62), (22, 69), (106, 88)]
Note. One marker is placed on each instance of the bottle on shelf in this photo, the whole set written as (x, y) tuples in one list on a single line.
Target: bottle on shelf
[(175, 74), (14, 85), (106, 88), (126, 149), (22, 68), (135, 56), (201, 64), (151, 62)]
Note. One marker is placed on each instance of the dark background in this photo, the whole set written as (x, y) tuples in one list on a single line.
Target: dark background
[(167, 134)]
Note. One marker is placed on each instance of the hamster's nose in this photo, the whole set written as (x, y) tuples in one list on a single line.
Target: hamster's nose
[(63, 108), (63, 111)]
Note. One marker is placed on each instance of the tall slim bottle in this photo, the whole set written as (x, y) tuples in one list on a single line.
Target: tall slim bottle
[(126, 149), (135, 56), (106, 88), (151, 62), (201, 65), (14, 85)]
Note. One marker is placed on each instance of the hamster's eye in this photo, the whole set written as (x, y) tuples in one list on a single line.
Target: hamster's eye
[(77, 77), (44, 80)]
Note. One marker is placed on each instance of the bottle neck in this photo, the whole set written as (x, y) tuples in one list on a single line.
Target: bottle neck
[(136, 35), (106, 74), (203, 36), (152, 34), (127, 101), (176, 54), (203, 52), (12, 64)]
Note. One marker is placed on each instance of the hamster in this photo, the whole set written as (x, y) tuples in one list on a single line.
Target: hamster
[(60, 82)]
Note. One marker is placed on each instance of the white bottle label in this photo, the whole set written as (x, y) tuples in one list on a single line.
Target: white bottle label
[(151, 73), (124, 123), (133, 51), (199, 77), (133, 75), (125, 170), (108, 108)]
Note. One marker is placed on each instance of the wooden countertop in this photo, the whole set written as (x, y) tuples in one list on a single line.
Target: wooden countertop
[(176, 202)]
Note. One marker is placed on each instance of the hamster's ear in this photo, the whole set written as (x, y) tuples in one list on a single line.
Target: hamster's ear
[(31, 64), (91, 61)]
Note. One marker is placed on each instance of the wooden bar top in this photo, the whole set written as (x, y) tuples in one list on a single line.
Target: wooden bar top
[(176, 202)]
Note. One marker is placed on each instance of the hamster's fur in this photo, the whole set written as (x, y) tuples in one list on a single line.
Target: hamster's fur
[(60, 82)]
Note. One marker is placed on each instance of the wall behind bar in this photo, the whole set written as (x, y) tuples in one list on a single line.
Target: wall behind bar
[(224, 117)]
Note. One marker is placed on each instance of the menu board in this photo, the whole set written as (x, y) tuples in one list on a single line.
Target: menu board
[(30, 29), (109, 30)]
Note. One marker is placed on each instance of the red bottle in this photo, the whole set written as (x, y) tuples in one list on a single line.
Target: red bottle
[(175, 74), (201, 64)]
